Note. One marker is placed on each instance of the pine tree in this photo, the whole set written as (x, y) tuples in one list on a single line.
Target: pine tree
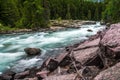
[(89, 15), (96, 15)]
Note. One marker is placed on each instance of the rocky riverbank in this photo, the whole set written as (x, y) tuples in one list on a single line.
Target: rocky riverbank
[(94, 59), (55, 25)]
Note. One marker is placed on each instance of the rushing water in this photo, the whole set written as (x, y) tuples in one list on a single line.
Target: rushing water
[(12, 46)]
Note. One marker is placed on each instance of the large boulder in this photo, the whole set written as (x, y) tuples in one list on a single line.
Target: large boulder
[(87, 55), (112, 73), (32, 51), (88, 44), (110, 43), (88, 52)]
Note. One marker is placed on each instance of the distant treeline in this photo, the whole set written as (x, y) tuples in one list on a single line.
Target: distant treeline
[(36, 13)]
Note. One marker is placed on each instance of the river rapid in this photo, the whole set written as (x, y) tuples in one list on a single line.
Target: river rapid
[(12, 55)]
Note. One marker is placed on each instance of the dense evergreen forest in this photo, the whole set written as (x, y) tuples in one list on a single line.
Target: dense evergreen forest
[(37, 13)]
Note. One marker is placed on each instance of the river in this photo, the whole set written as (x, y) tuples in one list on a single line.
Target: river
[(12, 55)]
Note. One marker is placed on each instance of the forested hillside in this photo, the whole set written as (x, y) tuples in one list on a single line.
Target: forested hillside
[(36, 13)]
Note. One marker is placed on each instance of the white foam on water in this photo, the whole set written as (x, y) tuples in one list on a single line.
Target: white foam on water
[(8, 57), (0, 72), (25, 63), (1, 45)]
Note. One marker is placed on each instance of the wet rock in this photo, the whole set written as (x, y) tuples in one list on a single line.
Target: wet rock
[(62, 77), (89, 30), (32, 51), (21, 75), (112, 73), (102, 23), (108, 24), (110, 43)]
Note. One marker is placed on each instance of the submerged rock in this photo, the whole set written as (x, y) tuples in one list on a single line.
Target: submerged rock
[(32, 51)]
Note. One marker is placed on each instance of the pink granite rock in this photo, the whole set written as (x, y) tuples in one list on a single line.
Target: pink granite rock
[(112, 73)]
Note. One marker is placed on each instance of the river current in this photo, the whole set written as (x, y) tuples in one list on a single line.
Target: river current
[(12, 55)]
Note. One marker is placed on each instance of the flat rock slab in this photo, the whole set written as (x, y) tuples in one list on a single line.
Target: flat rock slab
[(112, 73), (88, 44), (85, 55), (62, 77), (111, 39)]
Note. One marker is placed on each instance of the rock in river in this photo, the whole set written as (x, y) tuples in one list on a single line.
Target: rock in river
[(32, 51)]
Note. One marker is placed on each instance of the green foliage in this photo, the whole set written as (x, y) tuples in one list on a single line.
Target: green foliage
[(76, 9), (24, 13), (6, 28), (112, 11), (36, 13), (89, 15)]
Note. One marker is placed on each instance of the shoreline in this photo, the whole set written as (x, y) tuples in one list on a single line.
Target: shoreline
[(36, 70), (59, 61), (55, 26)]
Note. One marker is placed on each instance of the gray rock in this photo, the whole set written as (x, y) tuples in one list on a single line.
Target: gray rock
[(89, 30), (32, 51)]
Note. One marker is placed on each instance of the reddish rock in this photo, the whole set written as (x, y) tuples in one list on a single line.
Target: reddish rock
[(62, 77), (21, 75), (60, 70), (88, 44), (35, 78), (5, 77), (52, 63), (32, 51), (63, 59), (42, 74), (110, 43), (86, 55), (90, 72), (112, 73)]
